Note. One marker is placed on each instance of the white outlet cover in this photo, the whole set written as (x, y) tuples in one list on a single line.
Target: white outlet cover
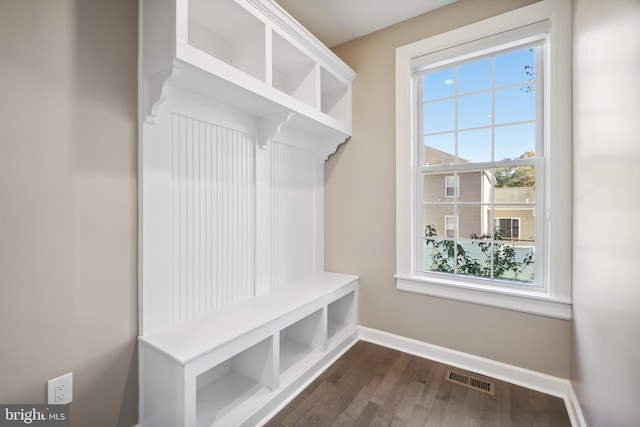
[(60, 390)]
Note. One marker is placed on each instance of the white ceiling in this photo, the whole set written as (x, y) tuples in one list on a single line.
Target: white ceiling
[(338, 21)]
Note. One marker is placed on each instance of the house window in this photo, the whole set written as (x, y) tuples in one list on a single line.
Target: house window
[(508, 228), (482, 110), (451, 186), (451, 225)]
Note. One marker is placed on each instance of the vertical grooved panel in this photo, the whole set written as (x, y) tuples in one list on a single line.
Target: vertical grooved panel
[(292, 213), (213, 217)]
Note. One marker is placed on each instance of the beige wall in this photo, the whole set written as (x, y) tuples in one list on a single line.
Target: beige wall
[(68, 208), (606, 289), (360, 215), (68, 204)]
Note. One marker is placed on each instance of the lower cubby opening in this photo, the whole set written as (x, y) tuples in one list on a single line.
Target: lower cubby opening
[(230, 390), (300, 343), (340, 316)]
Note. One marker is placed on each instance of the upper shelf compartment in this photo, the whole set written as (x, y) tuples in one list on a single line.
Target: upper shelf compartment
[(335, 96), (228, 32), (293, 71), (248, 54)]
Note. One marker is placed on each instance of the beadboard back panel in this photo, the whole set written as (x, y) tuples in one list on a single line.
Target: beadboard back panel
[(212, 217), (294, 173), (225, 218)]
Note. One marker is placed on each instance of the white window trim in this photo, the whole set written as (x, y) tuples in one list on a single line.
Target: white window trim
[(555, 299)]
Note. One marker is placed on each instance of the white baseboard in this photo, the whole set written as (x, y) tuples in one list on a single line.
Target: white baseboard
[(538, 381), (573, 408)]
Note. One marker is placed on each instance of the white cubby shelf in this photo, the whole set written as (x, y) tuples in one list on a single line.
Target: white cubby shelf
[(248, 54), (239, 107), (237, 365)]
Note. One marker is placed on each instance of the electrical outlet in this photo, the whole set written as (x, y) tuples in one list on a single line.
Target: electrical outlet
[(60, 390)]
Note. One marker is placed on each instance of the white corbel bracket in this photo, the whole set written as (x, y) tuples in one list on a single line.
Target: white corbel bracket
[(330, 150), (155, 91), (271, 127)]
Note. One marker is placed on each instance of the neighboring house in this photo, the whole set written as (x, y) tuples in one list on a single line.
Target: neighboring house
[(516, 222), (472, 192)]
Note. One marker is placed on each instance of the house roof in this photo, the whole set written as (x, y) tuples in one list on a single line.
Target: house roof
[(515, 194), (439, 157)]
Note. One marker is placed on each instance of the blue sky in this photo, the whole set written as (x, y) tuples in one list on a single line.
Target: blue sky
[(512, 104)]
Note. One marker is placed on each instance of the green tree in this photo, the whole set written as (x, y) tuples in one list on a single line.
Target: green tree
[(502, 257), (530, 71), (520, 176)]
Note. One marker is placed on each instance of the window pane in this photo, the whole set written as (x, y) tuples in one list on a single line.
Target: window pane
[(474, 258), (439, 116), (514, 141), (440, 149), (515, 67), (436, 185), (439, 84), (471, 221), (474, 146), (483, 258), (515, 184), (514, 223), (435, 220), (474, 110), (475, 186), (514, 262), (474, 76), (438, 255), (514, 104)]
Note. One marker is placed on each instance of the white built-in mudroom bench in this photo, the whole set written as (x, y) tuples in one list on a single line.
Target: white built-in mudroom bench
[(237, 364), (239, 108)]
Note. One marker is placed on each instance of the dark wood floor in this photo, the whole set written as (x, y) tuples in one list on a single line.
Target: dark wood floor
[(373, 386)]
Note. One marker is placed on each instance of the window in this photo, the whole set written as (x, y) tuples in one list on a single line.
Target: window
[(482, 110), (509, 228), (451, 186), (451, 226), (480, 118)]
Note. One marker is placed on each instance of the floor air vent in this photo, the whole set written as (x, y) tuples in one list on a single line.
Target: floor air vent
[(469, 381)]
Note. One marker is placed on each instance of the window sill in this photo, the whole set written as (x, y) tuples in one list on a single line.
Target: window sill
[(517, 300)]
